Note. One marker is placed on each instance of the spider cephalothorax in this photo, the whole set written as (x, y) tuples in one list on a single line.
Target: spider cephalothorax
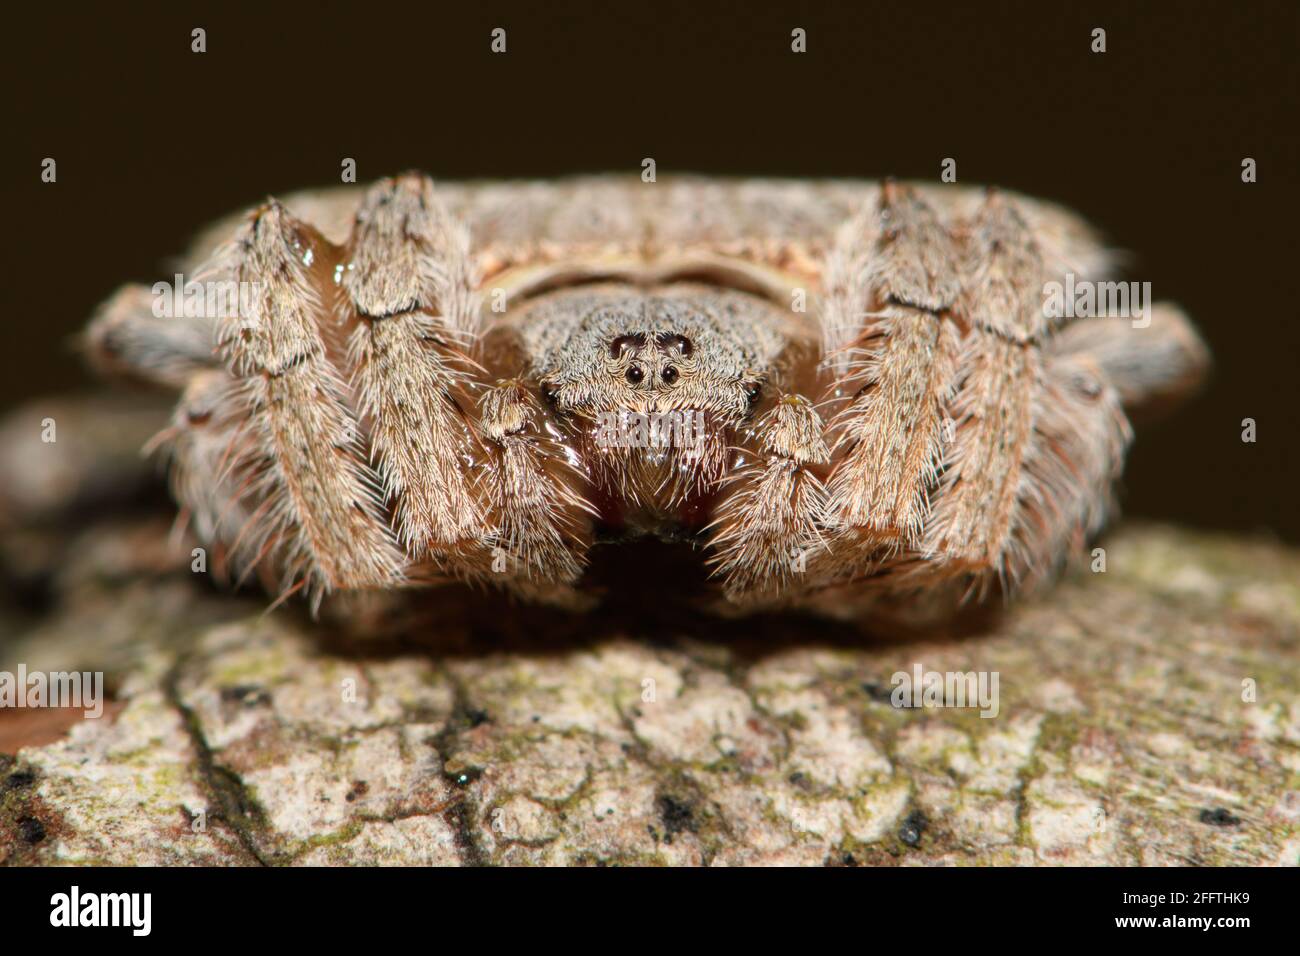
[(650, 384), (836, 388)]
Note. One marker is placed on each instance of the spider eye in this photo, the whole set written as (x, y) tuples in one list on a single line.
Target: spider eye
[(669, 374), (678, 343), (634, 374), (625, 342)]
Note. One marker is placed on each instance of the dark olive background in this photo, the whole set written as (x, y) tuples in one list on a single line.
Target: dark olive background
[(153, 141)]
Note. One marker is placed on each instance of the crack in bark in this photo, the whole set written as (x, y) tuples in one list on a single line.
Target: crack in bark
[(237, 805), (462, 812)]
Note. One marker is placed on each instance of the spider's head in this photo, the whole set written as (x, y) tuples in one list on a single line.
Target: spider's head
[(652, 381), (602, 349)]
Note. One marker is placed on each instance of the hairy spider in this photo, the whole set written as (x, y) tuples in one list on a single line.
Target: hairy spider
[(838, 389)]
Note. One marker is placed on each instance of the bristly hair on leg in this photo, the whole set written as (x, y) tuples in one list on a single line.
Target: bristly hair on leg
[(326, 508)]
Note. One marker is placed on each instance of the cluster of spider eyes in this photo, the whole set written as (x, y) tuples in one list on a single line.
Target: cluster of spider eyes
[(667, 342), (635, 374)]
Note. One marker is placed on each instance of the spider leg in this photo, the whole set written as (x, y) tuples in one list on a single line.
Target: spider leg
[(767, 520), (299, 446), (1040, 425), (1029, 443), (127, 338), (980, 492), (202, 449), (410, 304), (895, 372), (1065, 492), (1150, 365), (483, 493), (1038, 432)]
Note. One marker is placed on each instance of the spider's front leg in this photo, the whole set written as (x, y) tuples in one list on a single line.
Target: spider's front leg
[(297, 452), (893, 347), (477, 484), (1007, 417), (977, 444), (408, 312), (1039, 430), (966, 453), (348, 443)]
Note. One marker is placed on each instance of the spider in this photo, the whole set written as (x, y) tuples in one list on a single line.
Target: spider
[(840, 391)]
